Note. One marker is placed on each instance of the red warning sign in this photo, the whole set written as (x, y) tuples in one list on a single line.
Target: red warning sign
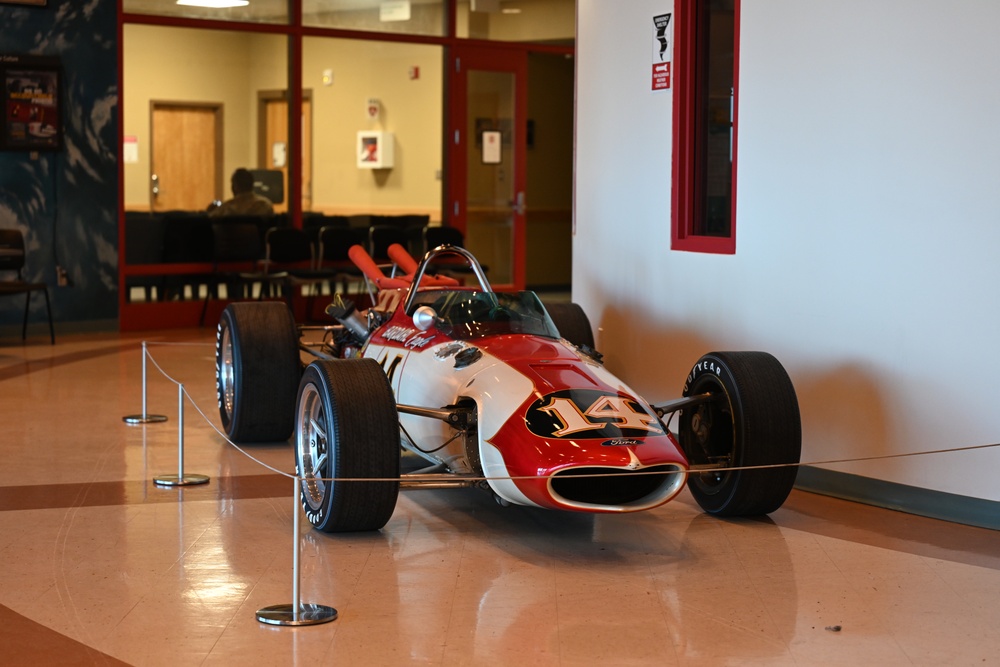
[(661, 76)]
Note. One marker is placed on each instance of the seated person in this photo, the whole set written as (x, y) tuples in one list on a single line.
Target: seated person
[(245, 201)]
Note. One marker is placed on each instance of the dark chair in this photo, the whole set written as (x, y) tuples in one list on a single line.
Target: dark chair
[(442, 235), (237, 243), (415, 225), (12, 261), (332, 254), (288, 250), (314, 223), (237, 249), (380, 237), (445, 235), (143, 245), (187, 239)]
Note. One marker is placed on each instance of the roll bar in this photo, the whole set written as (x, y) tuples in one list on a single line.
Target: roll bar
[(433, 254)]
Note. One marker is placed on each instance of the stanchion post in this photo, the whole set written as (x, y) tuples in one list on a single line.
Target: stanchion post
[(180, 479), (145, 417), (296, 613)]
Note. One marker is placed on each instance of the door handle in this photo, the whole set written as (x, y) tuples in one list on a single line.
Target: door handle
[(518, 204)]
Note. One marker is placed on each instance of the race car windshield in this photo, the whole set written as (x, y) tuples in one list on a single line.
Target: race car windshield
[(465, 314)]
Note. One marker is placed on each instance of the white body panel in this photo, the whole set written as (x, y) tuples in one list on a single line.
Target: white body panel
[(421, 378)]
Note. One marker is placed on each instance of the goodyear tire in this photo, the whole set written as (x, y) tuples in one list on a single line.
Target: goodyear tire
[(347, 428), (572, 323), (752, 421), (257, 371)]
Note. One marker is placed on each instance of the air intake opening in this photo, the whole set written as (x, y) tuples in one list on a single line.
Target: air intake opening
[(612, 486)]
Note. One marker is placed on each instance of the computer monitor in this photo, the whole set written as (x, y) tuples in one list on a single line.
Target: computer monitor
[(269, 183)]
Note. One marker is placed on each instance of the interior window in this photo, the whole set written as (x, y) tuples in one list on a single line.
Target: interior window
[(412, 18), (704, 183), (551, 21), (258, 11)]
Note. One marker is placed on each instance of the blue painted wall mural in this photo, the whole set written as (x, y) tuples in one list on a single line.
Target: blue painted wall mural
[(66, 202)]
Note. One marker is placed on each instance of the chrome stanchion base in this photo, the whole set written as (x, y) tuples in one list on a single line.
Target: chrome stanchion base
[(284, 614), (175, 480), (144, 419)]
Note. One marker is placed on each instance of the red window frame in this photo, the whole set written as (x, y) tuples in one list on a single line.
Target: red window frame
[(690, 131)]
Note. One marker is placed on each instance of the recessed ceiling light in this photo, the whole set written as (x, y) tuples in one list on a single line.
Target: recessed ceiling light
[(214, 4)]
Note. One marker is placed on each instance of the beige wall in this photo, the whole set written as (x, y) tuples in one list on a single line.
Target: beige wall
[(177, 64), (410, 108), (187, 65)]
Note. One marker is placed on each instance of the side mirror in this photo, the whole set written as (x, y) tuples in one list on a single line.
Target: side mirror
[(424, 317)]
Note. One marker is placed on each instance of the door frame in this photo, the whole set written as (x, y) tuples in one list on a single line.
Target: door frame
[(462, 58), (217, 108)]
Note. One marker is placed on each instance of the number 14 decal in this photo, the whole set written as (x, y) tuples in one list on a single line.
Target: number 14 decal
[(618, 408)]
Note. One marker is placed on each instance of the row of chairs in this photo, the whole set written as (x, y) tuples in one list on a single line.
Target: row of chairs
[(195, 238), (294, 259), (320, 257)]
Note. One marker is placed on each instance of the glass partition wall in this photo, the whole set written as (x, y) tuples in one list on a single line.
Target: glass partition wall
[(205, 92)]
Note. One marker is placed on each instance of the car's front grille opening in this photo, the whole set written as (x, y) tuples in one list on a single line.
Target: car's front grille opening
[(609, 486)]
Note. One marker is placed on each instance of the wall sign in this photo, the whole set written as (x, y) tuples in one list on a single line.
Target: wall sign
[(663, 50)]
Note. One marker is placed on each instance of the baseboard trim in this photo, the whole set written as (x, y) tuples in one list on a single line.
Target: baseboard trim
[(900, 497), (39, 330)]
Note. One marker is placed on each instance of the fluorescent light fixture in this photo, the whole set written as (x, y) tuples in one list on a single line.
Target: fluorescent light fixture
[(214, 4), (510, 10)]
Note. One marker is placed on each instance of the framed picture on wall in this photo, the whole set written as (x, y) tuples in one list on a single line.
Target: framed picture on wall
[(32, 113)]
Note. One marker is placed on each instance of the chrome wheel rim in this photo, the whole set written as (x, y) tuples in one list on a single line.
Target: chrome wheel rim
[(312, 447), (227, 390)]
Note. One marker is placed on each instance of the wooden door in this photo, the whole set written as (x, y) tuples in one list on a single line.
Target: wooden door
[(274, 149), (186, 157)]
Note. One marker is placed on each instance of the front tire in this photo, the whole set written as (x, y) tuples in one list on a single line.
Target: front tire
[(257, 371), (753, 420), (347, 428)]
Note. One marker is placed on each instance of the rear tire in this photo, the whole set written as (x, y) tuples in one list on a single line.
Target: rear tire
[(572, 323), (753, 421), (347, 428), (257, 371)]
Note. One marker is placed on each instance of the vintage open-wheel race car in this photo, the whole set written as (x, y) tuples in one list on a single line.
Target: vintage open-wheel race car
[(492, 389)]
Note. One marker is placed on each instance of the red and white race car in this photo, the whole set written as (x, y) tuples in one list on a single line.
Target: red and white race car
[(493, 389)]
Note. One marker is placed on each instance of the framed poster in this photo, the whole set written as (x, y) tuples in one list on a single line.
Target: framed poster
[(32, 114)]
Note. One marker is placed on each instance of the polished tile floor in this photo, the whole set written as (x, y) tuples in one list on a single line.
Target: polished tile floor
[(102, 567)]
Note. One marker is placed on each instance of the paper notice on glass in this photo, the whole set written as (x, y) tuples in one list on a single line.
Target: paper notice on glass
[(130, 150), (279, 154), (492, 153)]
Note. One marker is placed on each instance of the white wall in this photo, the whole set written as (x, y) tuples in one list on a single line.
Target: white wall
[(867, 232)]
